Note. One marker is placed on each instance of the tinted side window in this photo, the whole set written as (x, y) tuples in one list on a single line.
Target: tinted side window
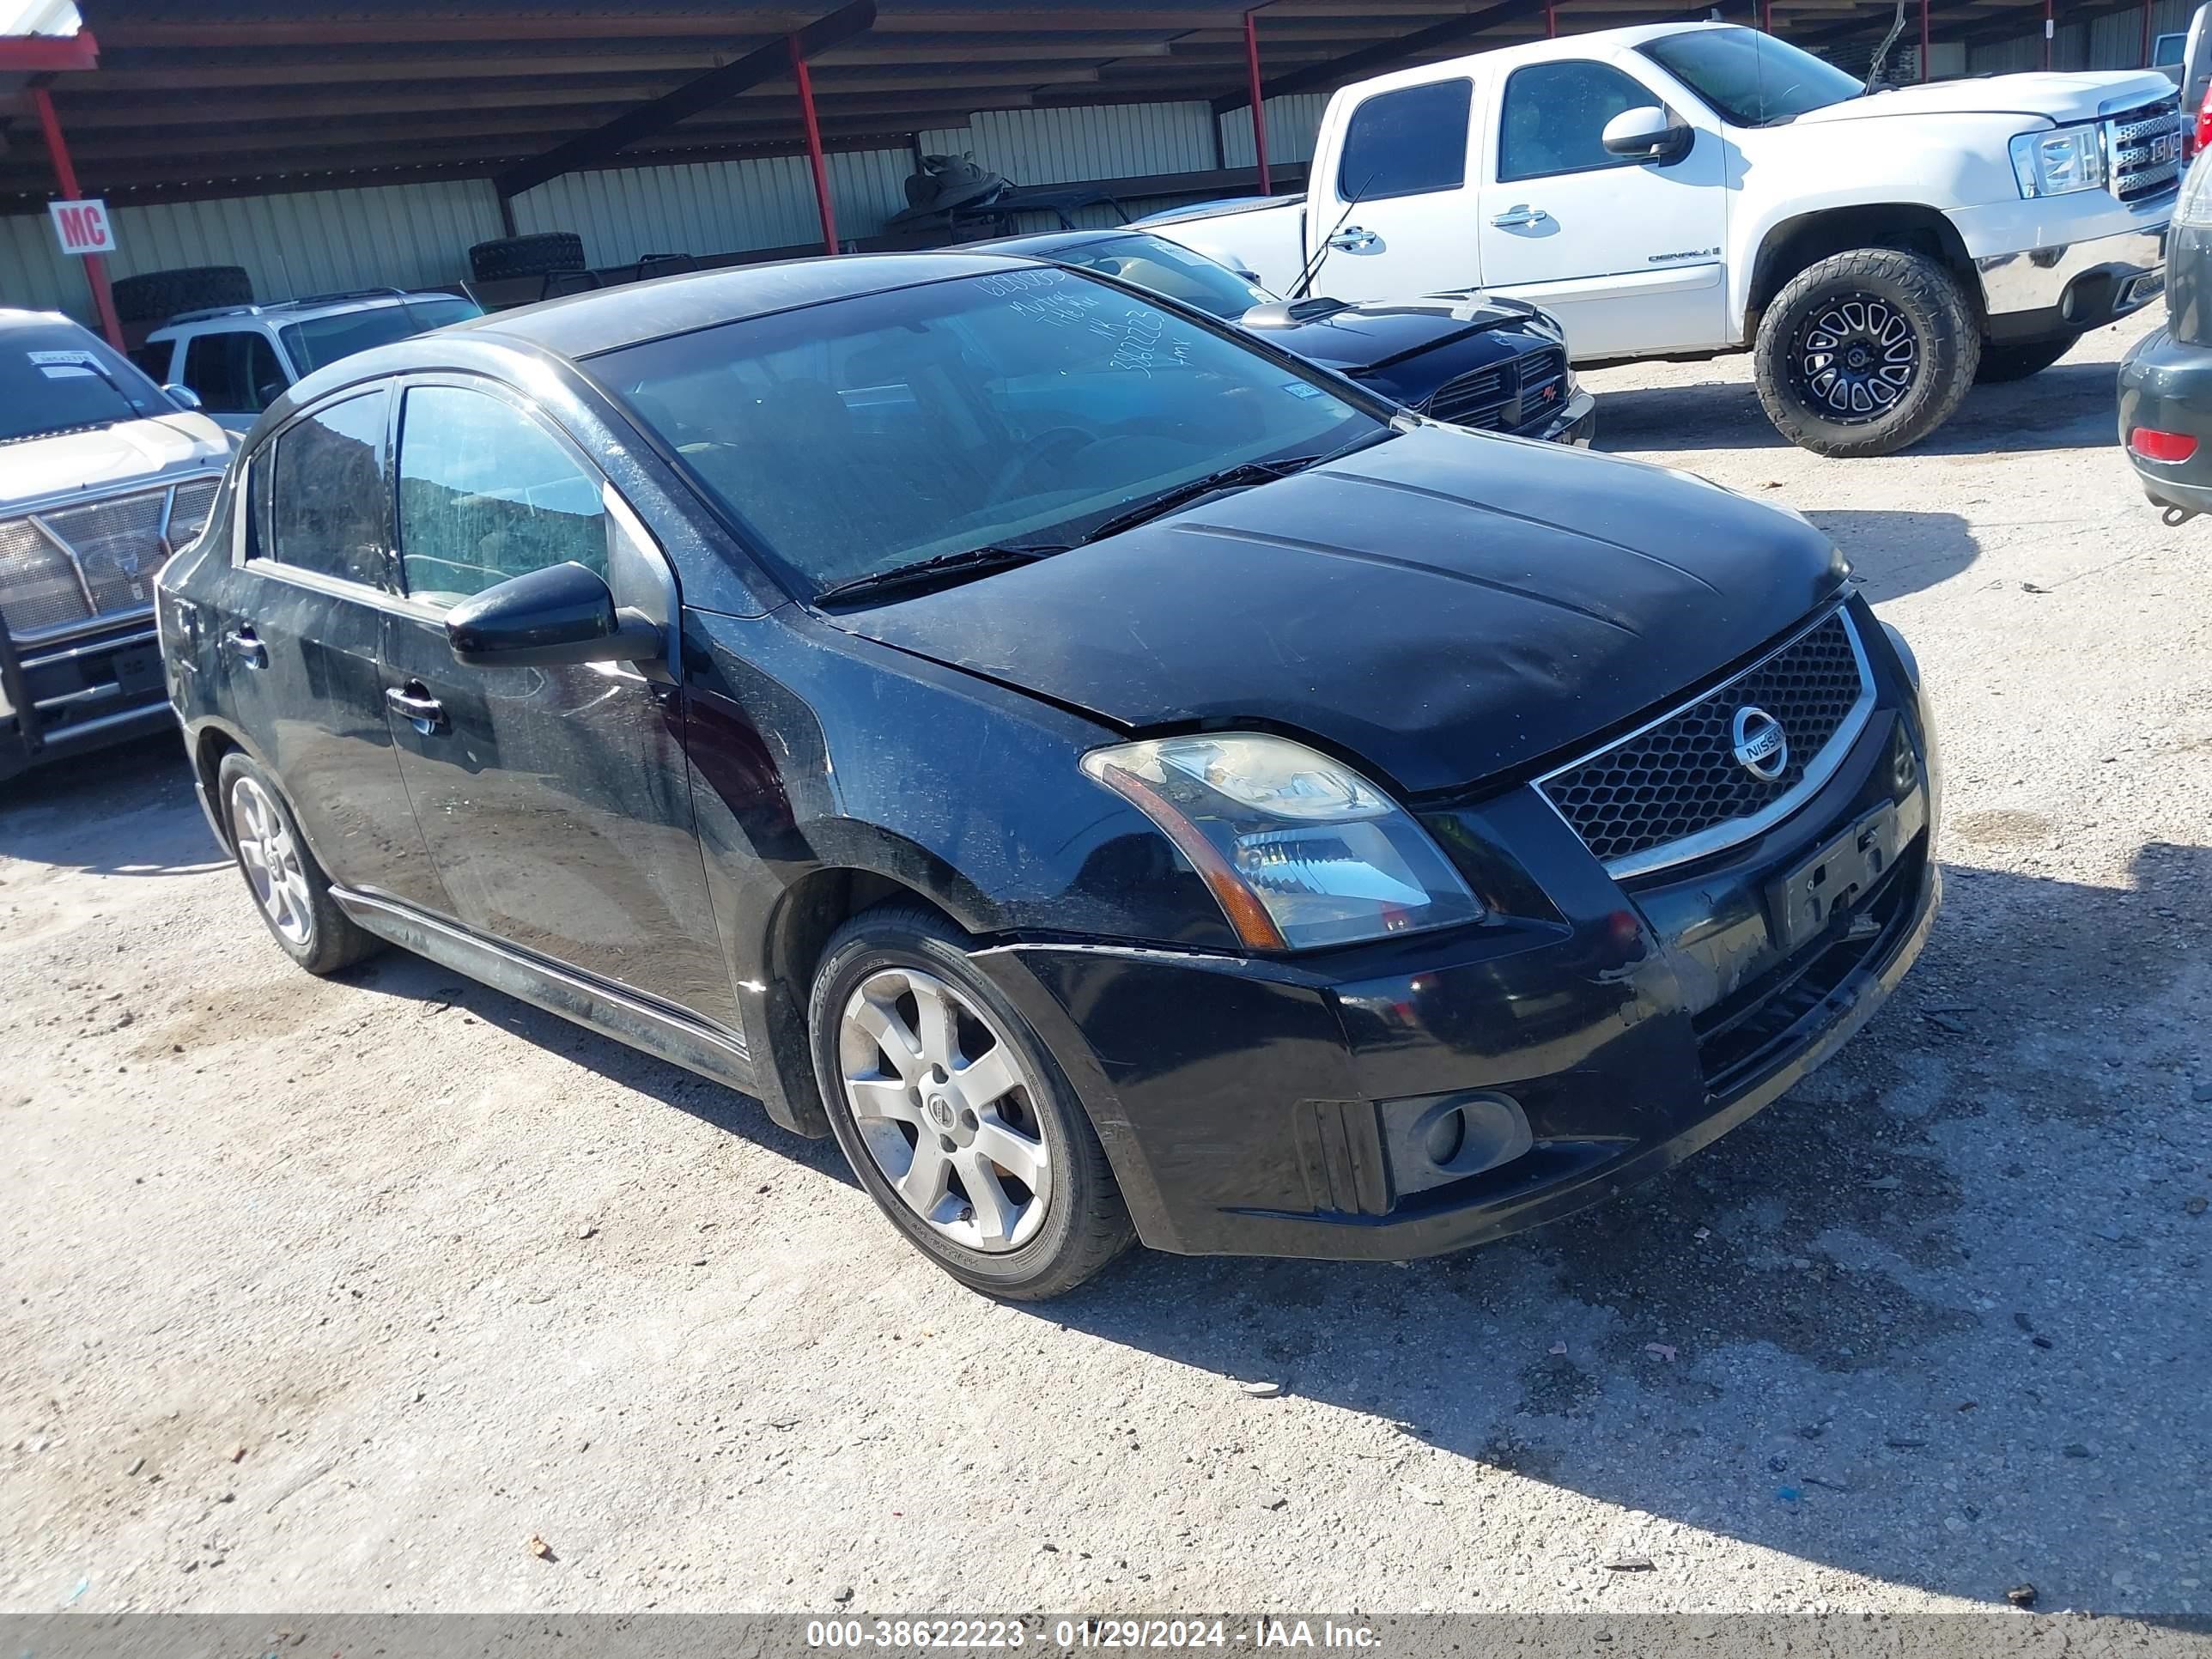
[(153, 358), (485, 492), (329, 511), (1555, 116), (1407, 142), (234, 373)]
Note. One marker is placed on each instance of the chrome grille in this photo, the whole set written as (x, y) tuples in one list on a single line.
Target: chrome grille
[(1675, 790), (1504, 397), (2142, 149), (62, 568)]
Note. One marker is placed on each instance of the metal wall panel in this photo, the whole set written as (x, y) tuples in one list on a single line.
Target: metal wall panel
[(2111, 42), (1106, 141), (304, 242), (1293, 123)]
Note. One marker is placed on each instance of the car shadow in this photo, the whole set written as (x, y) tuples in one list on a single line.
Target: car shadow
[(1934, 1318), (1894, 553), (2070, 405), (114, 812)]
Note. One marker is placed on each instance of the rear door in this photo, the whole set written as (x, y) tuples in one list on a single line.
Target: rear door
[(1397, 210), (1628, 254), (555, 801), (297, 626)]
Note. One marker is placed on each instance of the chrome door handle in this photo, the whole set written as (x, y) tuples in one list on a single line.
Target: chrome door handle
[(416, 705), (248, 650), (1353, 239), (1519, 215)]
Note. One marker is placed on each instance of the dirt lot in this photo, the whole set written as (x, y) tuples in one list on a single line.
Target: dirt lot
[(334, 1294)]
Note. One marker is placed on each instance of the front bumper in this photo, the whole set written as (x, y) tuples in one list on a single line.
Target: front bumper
[(1272, 1108), (69, 695), (2071, 287), (2167, 386), (1575, 424)]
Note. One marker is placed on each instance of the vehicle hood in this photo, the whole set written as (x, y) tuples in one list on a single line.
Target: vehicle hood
[(2063, 98), (94, 461), (1367, 337), (1444, 607)]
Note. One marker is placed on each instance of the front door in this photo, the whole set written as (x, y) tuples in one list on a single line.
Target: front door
[(1626, 254), (1397, 215), (297, 624), (555, 801)]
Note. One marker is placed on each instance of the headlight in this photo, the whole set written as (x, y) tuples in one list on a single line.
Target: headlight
[(2194, 207), (2055, 163), (1300, 850)]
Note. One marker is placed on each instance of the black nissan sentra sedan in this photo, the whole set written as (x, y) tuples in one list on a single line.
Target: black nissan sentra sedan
[(1113, 777)]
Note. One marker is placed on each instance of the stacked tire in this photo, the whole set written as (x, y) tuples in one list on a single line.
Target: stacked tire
[(158, 295), (549, 253)]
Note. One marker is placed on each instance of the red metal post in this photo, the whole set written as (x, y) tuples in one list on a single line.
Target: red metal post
[(1551, 20), (2050, 29), (799, 73), (1923, 39), (1767, 15), (1258, 109), (2146, 64), (95, 266)]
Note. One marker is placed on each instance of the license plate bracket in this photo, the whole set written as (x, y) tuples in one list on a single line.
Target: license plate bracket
[(137, 671), (1823, 890)]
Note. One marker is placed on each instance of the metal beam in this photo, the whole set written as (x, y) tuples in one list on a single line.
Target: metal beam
[(804, 79), (1259, 103), (693, 98), (48, 54), (609, 23), (95, 265), (1388, 54)]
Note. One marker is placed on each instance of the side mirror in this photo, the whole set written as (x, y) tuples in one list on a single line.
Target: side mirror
[(560, 615), (1645, 134), (185, 398)]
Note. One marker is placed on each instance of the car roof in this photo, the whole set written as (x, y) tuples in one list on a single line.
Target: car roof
[(12, 317), (1048, 242), (308, 306), (606, 319)]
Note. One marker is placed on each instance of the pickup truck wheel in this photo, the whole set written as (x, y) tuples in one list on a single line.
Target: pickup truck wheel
[(2016, 359), (953, 1114), (1866, 352)]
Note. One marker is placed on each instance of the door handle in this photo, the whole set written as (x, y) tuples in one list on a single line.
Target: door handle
[(1519, 215), (415, 705), (247, 649), (1354, 240)]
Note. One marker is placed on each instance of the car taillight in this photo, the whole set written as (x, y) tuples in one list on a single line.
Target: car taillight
[(2198, 136), (2155, 446)]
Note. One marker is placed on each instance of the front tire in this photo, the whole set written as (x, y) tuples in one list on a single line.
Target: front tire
[(1866, 352), (2016, 359), (288, 887), (953, 1114)]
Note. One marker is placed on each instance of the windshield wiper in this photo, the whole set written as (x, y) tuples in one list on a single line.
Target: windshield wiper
[(941, 571)]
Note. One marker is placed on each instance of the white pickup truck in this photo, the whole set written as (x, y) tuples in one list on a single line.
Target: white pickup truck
[(1685, 190)]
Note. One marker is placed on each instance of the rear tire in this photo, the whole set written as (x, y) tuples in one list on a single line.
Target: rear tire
[(896, 979), (288, 887), (2016, 359), (1866, 352), (158, 295)]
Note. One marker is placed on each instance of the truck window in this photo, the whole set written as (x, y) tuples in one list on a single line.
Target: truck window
[(327, 510), (1555, 114), (1407, 142), (235, 372)]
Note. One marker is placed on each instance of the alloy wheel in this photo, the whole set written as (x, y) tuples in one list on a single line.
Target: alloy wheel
[(272, 859), (946, 1108), (1855, 356)]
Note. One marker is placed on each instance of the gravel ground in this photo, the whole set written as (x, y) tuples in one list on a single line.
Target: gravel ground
[(337, 1294)]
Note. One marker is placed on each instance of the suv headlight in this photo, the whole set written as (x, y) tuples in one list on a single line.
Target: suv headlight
[(1300, 849), (2060, 162)]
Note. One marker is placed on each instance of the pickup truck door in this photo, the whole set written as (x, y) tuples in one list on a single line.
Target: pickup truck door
[(1397, 203), (1628, 254)]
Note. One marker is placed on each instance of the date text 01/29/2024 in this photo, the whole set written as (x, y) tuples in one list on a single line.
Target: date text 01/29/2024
[(1071, 1635)]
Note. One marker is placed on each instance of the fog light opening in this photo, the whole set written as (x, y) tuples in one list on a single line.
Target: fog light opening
[(1446, 1135)]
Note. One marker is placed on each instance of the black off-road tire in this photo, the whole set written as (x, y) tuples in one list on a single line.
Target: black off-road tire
[(2016, 359), (157, 295), (541, 255), (332, 939), (1946, 335), (1084, 1225)]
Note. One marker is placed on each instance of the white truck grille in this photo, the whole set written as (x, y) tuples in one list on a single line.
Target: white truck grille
[(2142, 149), (66, 565)]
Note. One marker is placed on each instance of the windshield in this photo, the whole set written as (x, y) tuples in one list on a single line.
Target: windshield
[(1166, 268), (55, 376), (1025, 406), (1750, 79), (323, 340)]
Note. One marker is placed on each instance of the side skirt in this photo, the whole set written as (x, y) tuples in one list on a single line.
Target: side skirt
[(601, 1007)]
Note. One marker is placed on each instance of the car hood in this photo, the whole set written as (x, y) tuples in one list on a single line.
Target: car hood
[(1364, 339), (95, 460), (1444, 607), (2063, 98)]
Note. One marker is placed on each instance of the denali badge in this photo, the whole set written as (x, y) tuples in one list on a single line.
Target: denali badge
[(1760, 743)]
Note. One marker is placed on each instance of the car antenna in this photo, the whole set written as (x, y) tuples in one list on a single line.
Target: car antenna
[(1313, 265)]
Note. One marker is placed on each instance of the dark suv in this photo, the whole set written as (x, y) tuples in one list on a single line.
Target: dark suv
[(1115, 777)]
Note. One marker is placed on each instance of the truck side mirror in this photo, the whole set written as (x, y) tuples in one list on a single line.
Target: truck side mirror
[(1646, 133), (185, 397)]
